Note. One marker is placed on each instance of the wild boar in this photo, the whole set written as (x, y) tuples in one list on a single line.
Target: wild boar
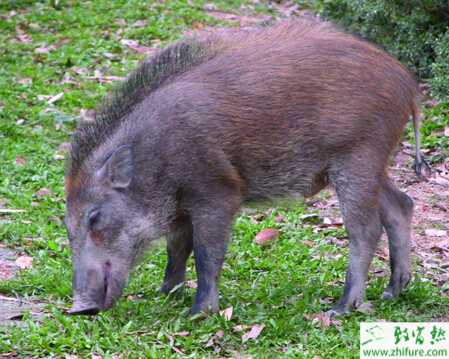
[(216, 121)]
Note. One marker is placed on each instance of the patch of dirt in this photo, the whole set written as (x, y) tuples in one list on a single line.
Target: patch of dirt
[(12, 310), (8, 266)]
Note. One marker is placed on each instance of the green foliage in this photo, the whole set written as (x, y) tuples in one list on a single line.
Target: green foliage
[(440, 68), (414, 31)]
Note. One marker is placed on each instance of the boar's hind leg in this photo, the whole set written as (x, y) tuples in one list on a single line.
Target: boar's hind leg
[(396, 210), (211, 230), (358, 197), (179, 247)]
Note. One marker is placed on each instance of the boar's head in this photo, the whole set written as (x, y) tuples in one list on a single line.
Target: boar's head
[(107, 227)]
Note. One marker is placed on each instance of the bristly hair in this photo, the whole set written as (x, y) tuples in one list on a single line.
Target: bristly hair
[(153, 73)]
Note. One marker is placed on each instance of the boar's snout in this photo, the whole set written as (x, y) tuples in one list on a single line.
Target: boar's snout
[(95, 289)]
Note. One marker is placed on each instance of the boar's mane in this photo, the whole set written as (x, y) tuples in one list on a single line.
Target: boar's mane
[(152, 74)]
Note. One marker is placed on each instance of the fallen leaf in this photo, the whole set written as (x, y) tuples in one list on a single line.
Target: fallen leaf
[(226, 313), (58, 157), (55, 98), (323, 319), (43, 192), (179, 351), (182, 334), (192, 284), (64, 147), (25, 81), (6, 270), (326, 300), (219, 334), (87, 116), (24, 262), (435, 232), (134, 45), (279, 218), (23, 37), (265, 236), (253, 333), (239, 328), (11, 210), (121, 22), (140, 23), (20, 161), (9, 355), (44, 50), (308, 243)]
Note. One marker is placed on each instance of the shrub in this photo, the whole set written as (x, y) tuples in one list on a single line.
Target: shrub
[(415, 31), (440, 68)]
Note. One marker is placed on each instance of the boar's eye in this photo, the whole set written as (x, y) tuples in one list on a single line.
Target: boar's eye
[(93, 219)]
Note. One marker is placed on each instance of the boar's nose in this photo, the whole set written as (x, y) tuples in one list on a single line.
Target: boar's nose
[(90, 288)]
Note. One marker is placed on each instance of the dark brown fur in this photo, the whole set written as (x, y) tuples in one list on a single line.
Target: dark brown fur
[(241, 116)]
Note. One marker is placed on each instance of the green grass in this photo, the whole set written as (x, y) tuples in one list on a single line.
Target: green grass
[(280, 286)]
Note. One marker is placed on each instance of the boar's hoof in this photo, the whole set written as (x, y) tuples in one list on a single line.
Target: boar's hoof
[(170, 289), (88, 310), (202, 309), (337, 311), (387, 295), (397, 284)]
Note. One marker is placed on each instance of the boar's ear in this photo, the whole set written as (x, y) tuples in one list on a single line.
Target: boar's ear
[(118, 168)]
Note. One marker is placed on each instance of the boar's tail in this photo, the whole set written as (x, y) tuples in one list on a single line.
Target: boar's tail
[(421, 167)]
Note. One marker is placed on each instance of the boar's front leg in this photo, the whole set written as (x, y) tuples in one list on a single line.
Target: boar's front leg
[(179, 247), (358, 196), (211, 230)]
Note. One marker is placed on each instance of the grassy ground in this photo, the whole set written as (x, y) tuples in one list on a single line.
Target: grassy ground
[(51, 47)]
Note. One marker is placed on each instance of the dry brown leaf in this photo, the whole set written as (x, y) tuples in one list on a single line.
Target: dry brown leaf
[(6, 270), (240, 328), (25, 81), (179, 351), (134, 45), (192, 284), (20, 161), (323, 319), (266, 236), (253, 333), (43, 192), (227, 313), (23, 37), (11, 210), (87, 116), (435, 232), (55, 98), (214, 339), (184, 333), (44, 50), (279, 218), (140, 23), (308, 243), (24, 262), (121, 22)]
